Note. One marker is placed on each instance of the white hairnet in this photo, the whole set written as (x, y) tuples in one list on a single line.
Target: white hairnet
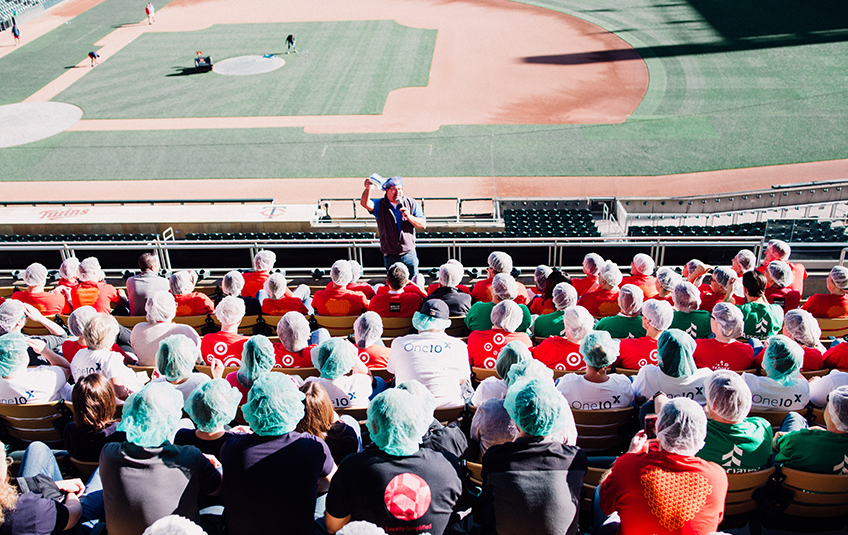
[(160, 307), (70, 268), (658, 313), (802, 327), (500, 262), (564, 295), (729, 319), (592, 262), (340, 273), (686, 297), (599, 349), (504, 286), (507, 315), (839, 276), (264, 261), (360, 527), (367, 329), (577, 322), (293, 330), (630, 299), (276, 286), (35, 275), (173, 525), (355, 270), (492, 425), (780, 273), (610, 274), (89, 270), (746, 260), (11, 312), (682, 426), (723, 276), (780, 249), (450, 274), (181, 283), (80, 316), (727, 395), (642, 264), (541, 275), (668, 278), (230, 310), (232, 283), (837, 408)]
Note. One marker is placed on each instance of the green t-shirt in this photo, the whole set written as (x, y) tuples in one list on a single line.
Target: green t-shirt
[(742, 447), (548, 325), (479, 317), (761, 320), (620, 326), (814, 450), (696, 323)]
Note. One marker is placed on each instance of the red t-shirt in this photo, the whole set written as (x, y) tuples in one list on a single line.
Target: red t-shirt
[(583, 285), (96, 294), (712, 354), (339, 302), (255, 281), (70, 283), (374, 356), (279, 307), (435, 286), (482, 291), (542, 306), (837, 357), (558, 353), (402, 305), (813, 359), (827, 306), (194, 304), (72, 347), (232, 378), (363, 287), (788, 298), (409, 288), (648, 284), (600, 303), (484, 346), (226, 347), (637, 352), (710, 300), (668, 299), (47, 303), (284, 358)]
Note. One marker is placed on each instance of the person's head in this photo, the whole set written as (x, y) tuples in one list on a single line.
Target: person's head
[(802, 327), (499, 262), (293, 330), (340, 273), (264, 261), (257, 359), (173, 524), (70, 269), (101, 331), (592, 262), (94, 403), (230, 310), (181, 282), (319, 414), (642, 265), (89, 270), (728, 397), (564, 295), (274, 405), (397, 276), (361, 527), (754, 283), (577, 323), (599, 349), (609, 275), (744, 261), (694, 269), (367, 329), (422, 394), (682, 426), (394, 189), (212, 405), (528, 369), (727, 320), (504, 287), (433, 316), (537, 408), (80, 317), (777, 250), (176, 357), (554, 278), (507, 315), (630, 300), (334, 357), (397, 422), (837, 280), (355, 270), (160, 307), (686, 297), (150, 416), (276, 286), (657, 314), (510, 354), (837, 409), (148, 262), (13, 353), (783, 359), (720, 279), (667, 279), (232, 283), (12, 316), (540, 276), (675, 353), (450, 274), (780, 273), (35, 275)]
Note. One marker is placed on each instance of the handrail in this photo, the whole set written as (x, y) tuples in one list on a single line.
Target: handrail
[(325, 203), (139, 201)]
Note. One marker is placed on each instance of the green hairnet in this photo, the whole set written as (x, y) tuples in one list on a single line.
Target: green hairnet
[(176, 357), (150, 415), (274, 405), (675, 350), (212, 404), (334, 358), (599, 350), (417, 389), (783, 359), (512, 353), (13, 353), (257, 358), (528, 369), (536, 407), (397, 422)]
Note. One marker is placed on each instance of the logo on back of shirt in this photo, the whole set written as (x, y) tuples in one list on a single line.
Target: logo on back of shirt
[(407, 497), (692, 330), (762, 327), (842, 468), (730, 459), (394, 307)]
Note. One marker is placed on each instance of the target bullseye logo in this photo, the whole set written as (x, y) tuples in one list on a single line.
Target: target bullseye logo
[(574, 359), (287, 360), (220, 348), (653, 357), (364, 357), (407, 497), (499, 339), (487, 347), (489, 362)]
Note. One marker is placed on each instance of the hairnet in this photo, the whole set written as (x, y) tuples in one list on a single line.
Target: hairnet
[(160, 307), (802, 327), (417, 389), (423, 322), (512, 353), (541, 275), (101, 331), (837, 408), (70, 268), (275, 286), (232, 283), (643, 264), (682, 426), (393, 182), (492, 424), (526, 370), (397, 422), (173, 525), (13, 353), (780, 273), (564, 295), (839, 276), (181, 283), (746, 260), (230, 310), (577, 322), (150, 415), (397, 275), (293, 330), (723, 276), (727, 395), (274, 405), (257, 358), (592, 262), (780, 249), (536, 407), (340, 273), (334, 358), (668, 278), (504, 286), (729, 319), (658, 313), (11, 312), (630, 299), (212, 404), (367, 329), (507, 315), (686, 297), (450, 274), (361, 527), (500, 262), (610, 274), (599, 349), (783, 359), (176, 357), (264, 261), (35, 275), (355, 270), (80, 316), (675, 350), (89, 270)]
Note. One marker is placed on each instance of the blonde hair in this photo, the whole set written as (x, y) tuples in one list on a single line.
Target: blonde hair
[(8, 493), (100, 332)]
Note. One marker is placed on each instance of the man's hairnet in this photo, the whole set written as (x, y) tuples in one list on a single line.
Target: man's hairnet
[(101, 331), (35, 275), (181, 283), (80, 316), (682, 426), (417, 389), (150, 416), (780, 249), (658, 313), (13, 353), (686, 297), (450, 275), (334, 358), (630, 299), (276, 285), (212, 405), (257, 358), (839, 276), (802, 327), (361, 527), (355, 270), (536, 407), (610, 274), (746, 259), (729, 319), (592, 262), (340, 273), (727, 395), (540, 275), (173, 525), (433, 316), (293, 330), (507, 315), (500, 262), (723, 276), (783, 359), (528, 369), (504, 286), (393, 182), (675, 350), (564, 295), (90, 270), (232, 283), (577, 322), (160, 307), (397, 422), (11, 312), (643, 264), (512, 353), (274, 405), (230, 310), (264, 261), (70, 268), (668, 278), (397, 276), (837, 408), (367, 329), (599, 349), (780, 273), (176, 357)]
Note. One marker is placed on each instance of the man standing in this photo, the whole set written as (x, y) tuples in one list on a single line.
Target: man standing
[(397, 218), (145, 284), (150, 13)]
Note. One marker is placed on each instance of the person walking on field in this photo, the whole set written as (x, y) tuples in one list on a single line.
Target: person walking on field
[(150, 13), (16, 33), (290, 40)]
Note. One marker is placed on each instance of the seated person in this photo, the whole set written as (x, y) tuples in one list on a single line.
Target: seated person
[(277, 303), (94, 421), (504, 288), (835, 303), (783, 388), (342, 434), (802, 327), (461, 287), (447, 438), (544, 302), (540, 276), (762, 319), (628, 322), (356, 284), (20, 385), (687, 317), (534, 482), (145, 338), (725, 352), (642, 275), (211, 406), (175, 362), (603, 300), (345, 378), (231, 284), (667, 280), (367, 331), (93, 291), (695, 271), (254, 280), (459, 302), (637, 352), (817, 450), (492, 425), (76, 326), (294, 349), (780, 292), (13, 317), (563, 352), (225, 345), (736, 443), (142, 286), (339, 300), (99, 334), (780, 250), (48, 303), (821, 387), (484, 346), (592, 262), (495, 386), (564, 296), (675, 373), (69, 273), (597, 389), (499, 262), (719, 282), (396, 303), (189, 302), (257, 359)]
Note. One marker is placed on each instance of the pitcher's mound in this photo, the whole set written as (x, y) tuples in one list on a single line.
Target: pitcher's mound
[(31, 121), (246, 65)]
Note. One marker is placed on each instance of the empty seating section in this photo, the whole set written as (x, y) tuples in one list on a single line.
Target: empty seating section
[(535, 223), (789, 230), (218, 236), (14, 238)]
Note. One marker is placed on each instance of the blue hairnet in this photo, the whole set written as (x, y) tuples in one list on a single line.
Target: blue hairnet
[(13, 353), (176, 357), (274, 405), (417, 389), (599, 350), (675, 350), (512, 353), (334, 358), (212, 405), (257, 358), (536, 407), (397, 422), (150, 415), (393, 181), (783, 359), (528, 369)]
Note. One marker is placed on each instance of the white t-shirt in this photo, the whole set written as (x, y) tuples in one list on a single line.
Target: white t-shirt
[(186, 387), (105, 362), (769, 395), (438, 361), (822, 388), (347, 391), (145, 338), (617, 393), (490, 387), (35, 385), (651, 380)]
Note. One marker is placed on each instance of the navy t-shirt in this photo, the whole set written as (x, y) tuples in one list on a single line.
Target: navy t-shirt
[(35, 515), (86, 446), (187, 437)]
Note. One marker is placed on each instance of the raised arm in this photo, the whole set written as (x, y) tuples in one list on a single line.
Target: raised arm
[(365, 200)]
